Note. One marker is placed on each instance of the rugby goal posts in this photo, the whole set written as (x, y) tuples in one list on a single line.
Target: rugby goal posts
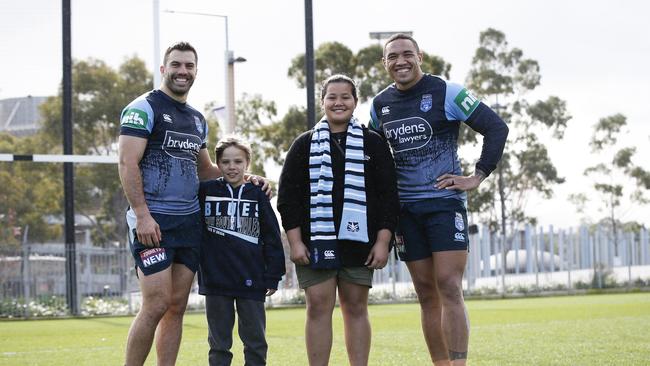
[(54, 158)]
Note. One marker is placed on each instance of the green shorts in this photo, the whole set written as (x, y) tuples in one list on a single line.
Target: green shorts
[(358, 275)]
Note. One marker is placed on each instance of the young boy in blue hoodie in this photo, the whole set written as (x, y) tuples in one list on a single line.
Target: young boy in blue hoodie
[(242, 259)]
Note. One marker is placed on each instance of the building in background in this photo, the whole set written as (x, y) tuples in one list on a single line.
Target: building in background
[(21, 116)]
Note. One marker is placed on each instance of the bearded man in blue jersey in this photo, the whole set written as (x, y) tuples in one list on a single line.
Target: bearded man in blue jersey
[(420, 115), (162, 157)]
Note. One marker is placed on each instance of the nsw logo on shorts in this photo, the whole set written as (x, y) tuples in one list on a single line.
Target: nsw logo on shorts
[(152, 256), (315, 256), (459, 223)]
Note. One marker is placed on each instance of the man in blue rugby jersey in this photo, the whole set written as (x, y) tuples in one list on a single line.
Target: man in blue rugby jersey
[(420, 115), (162, 156)]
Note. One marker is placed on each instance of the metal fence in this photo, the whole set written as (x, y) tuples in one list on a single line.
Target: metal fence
[(538, 258), (32, 278)]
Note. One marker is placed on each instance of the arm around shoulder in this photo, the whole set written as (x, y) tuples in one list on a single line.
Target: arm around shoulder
[(206, 169)]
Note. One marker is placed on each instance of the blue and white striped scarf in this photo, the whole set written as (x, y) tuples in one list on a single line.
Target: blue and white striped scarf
[(354, 224)]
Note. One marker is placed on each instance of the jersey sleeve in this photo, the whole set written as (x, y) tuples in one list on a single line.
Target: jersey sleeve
[(137, 119), (374, 123), (460, 103)]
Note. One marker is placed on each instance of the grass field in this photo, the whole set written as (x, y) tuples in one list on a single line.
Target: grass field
[(611, 329)]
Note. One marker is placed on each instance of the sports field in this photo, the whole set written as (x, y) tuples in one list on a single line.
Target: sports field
[(609, 329)]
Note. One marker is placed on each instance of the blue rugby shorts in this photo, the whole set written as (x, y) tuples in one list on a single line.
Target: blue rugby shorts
[(428, 226), (181, 241)]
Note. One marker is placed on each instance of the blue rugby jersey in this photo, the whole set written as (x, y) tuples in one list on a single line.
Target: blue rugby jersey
[(421, 124), (176, 133)]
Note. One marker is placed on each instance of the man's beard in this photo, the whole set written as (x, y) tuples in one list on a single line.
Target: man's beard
[(178, 90)]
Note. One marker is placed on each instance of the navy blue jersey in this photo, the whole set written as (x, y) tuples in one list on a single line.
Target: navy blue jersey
[(176, 133), (421, 125), (241, 253)]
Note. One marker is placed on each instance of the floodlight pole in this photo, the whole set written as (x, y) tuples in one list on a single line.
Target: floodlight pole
[(229, 61), (156, 44), (68, 168), (501, 188), (380, 36), (309, 65)]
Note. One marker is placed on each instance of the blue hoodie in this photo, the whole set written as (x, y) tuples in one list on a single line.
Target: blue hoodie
[(241, 253)]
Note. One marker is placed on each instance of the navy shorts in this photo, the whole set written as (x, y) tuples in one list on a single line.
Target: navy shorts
[(181, 241), (434, 225)]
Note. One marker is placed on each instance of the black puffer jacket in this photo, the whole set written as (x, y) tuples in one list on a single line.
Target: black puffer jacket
[(381, 192)]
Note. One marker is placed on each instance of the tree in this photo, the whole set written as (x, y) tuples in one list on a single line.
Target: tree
[(281, 134), (616, 168), (253, 113), (99, 94), (503, 75), (366, 67), (29, 193), (330, 58)]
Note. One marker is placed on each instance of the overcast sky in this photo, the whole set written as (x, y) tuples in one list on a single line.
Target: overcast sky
[(593, 54)]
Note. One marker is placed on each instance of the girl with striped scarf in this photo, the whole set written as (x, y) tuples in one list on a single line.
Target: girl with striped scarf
[(339, 206)]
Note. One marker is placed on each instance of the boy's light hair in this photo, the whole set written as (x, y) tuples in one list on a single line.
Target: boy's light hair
[(233, 141)]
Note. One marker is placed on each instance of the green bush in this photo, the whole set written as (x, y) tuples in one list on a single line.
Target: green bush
[(56, 306)]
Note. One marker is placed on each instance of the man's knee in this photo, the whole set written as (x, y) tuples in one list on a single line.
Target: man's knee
[(451, 290), (154, 310), (426, 290), (177, 304), (156, 302)]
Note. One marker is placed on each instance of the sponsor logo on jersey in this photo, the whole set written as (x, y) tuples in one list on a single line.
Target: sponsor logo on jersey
[(459, 237), (408, 134), (329, 254), (135, 118), (385, 110), (466, 102), (150, 257), (199, 125), (426, 102), (181, 145), (353, 226), (167, 118), (459, 223)]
